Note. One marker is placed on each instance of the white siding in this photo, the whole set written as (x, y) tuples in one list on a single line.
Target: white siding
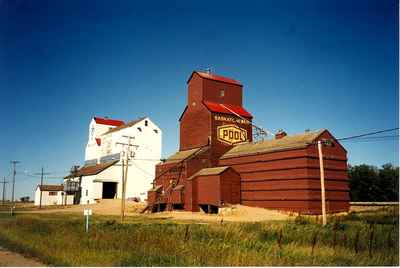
[(90, 190)]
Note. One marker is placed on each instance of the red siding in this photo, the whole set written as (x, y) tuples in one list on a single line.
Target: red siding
[(218, 189), (209, 190), (290, 180), (151, 197), (230, 187), (191, 196), (307, 184), (177, 197), (232, 93), (195, 127)]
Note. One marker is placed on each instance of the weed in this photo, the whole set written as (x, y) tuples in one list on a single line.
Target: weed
[(60, 240)]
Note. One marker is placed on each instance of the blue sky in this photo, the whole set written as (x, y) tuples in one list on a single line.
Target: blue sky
[(304, 65)]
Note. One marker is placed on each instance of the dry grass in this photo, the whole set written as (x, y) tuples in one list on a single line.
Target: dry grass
[(143, 241)]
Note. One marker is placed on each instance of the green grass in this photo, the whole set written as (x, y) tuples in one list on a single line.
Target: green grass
[(60, 240)]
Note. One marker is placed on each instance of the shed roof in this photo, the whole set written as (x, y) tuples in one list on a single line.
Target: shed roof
[(286, 143), (209, 171), (227, 108), (156, 188), (129, 124), (107, 121), (181, 155), (52, 188), (179, 187), (91, 169), (215, 78)]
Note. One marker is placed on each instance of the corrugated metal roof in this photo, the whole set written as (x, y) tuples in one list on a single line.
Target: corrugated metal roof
[(179, 187), (156, 188), (92, 169), (209, 171), (106, 121), (215, 78), (219, 108), (129, 124), (53, 188), (181, 155), (285, 143)]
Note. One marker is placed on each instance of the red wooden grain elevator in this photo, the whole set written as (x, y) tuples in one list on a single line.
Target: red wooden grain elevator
[(218, 163)]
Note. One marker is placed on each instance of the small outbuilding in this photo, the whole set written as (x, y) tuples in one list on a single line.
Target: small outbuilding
[(211, 188), (52, 195)]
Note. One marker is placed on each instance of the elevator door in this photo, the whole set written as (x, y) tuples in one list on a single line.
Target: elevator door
[(109, 190)]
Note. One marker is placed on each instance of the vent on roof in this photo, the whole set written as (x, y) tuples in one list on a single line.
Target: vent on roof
[(146, 123), (280, 134)]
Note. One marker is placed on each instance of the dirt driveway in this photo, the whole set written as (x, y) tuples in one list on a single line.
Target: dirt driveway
[(234, 213), (11, 259), (104, 207)]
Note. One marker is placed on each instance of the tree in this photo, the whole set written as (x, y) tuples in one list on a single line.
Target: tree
[(24, 199), (368, 183), (389, 182)]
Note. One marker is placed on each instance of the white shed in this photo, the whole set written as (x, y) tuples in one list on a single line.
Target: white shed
[(52, 195)]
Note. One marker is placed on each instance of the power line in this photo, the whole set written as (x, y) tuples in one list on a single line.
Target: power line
[(144, 171), (363, 141), (367, 134), (259, 132), (37, 176), (379, 137)]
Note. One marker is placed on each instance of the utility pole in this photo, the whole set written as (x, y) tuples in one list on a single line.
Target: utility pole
[(322, 174), (76, 189), (4, 189), (127, 153), (41, 185), (14, 163)]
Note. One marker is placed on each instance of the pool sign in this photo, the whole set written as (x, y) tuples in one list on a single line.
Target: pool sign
[(231, 134)]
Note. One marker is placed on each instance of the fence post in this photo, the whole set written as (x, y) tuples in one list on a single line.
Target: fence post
[(357, 237), (344, 239), (280, 242), (280, 239), (186, 233), (371, 239), (334, 236), (314, 242), (389, 240)]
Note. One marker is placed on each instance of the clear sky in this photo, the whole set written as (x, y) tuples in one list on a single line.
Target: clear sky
[(304, 65)]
